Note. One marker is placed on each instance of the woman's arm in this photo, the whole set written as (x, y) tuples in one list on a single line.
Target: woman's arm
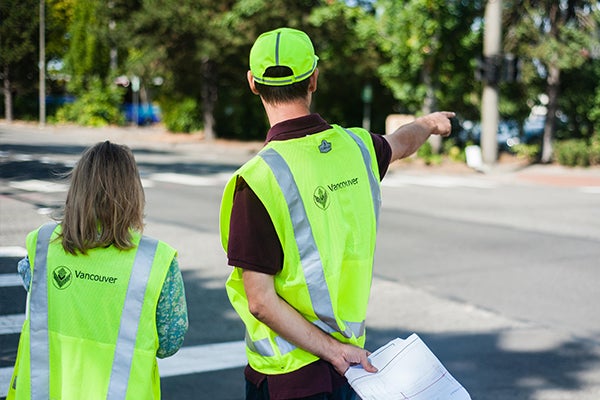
[(171, 313)]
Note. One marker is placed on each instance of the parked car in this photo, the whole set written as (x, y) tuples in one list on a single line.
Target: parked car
[(508, 134), (147, 114), (533, 129)]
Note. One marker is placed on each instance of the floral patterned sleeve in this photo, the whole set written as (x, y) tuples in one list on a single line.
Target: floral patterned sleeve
[(171, 312)]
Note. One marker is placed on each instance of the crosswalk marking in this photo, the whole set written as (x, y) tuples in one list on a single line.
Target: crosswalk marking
[(188, 360), (204, 358), (36, 185), (12, 251), (191, 180), (8, 280), (11, 324), (5, 375), (590, 189), (438, 181), (219, 179)]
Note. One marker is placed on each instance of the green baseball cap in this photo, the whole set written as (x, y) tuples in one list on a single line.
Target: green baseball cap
[(283, 47)]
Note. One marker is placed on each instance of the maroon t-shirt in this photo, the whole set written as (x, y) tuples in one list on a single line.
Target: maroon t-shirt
[(254, 245)]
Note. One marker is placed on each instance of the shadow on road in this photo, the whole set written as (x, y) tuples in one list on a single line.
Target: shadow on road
[(488, 371)]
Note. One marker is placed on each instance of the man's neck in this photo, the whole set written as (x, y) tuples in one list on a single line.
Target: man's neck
[(282, 112)]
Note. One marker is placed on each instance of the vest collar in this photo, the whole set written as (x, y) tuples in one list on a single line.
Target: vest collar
[(297, 127)]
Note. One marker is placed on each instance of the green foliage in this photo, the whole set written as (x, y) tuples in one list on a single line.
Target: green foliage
[(595, 150), (425, 152), (416, 55), (530, 152), (181, 116), (578, 153), (99, 106), (88, 54), (555, 45), (19, 27), (59, 14), (429, 47), (454, 152), (18, 40), (572, 153), (593, 112)]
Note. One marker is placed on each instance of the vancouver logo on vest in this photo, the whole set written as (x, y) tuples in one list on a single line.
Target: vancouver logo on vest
[(321, 197), (61, 277)]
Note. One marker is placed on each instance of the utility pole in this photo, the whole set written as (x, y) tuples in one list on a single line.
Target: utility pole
[(492, 50), (367, 98), (42, 64)]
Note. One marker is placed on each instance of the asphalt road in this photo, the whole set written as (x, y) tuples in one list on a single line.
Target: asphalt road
[(497, 272)]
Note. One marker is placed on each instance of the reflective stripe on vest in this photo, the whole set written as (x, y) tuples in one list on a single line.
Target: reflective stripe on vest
[(132, 308), (39, 352), (373, 181), (130, 317), (310, 259)]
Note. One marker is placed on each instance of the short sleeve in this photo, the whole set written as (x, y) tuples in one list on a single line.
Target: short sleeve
[(383, 152), (253, 242)]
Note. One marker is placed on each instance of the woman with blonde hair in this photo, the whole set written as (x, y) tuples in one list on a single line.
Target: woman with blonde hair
[(104, 300)]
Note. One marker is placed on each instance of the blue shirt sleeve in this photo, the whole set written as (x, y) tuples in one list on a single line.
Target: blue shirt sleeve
[(171, 312), (24, 270)]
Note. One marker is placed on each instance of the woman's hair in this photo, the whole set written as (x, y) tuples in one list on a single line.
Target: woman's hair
[(105, 200), (282, 94)]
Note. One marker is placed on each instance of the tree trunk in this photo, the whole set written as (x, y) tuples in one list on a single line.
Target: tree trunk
[(549, 125), (8, 105), (209, 97), (553, 82), (430, 104)]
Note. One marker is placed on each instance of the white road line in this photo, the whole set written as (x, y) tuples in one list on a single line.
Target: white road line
[(12, 251), (204, 358), (5, 375), (188, 360), (8, 280), (590, 189), (35, 185), (146, 183), (438, 181), (191, 180), (11, 324)]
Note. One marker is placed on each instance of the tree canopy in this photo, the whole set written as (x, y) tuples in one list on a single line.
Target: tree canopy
[(414, 56)]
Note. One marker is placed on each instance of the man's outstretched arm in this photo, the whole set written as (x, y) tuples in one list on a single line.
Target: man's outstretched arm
[(272, 310), (408, 138)]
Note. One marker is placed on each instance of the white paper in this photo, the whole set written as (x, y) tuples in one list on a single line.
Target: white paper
[(407, 369)]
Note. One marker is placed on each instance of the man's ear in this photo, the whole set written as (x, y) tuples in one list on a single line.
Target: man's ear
[(250, 78), (312, 83)]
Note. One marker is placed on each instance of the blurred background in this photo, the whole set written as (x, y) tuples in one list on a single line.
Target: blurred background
[(183, 64)]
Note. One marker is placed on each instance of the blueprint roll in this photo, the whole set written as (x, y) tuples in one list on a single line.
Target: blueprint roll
[(407, 370)]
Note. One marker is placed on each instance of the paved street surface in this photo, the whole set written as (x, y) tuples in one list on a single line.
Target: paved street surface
[(497, 272)]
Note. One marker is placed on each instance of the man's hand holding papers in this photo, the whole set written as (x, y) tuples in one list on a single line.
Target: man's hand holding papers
[(407, 370)]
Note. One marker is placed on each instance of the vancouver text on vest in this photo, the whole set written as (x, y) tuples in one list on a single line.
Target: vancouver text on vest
[(343, 184), (95, 277)]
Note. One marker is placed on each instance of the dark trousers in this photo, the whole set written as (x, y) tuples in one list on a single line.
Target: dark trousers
[(344, 392)]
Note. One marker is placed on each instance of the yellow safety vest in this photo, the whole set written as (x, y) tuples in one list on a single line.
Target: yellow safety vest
[(90, 330), (322, 194)]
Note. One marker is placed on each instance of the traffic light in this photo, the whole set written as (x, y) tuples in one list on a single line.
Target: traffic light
[(510, 68), (498, 68)]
